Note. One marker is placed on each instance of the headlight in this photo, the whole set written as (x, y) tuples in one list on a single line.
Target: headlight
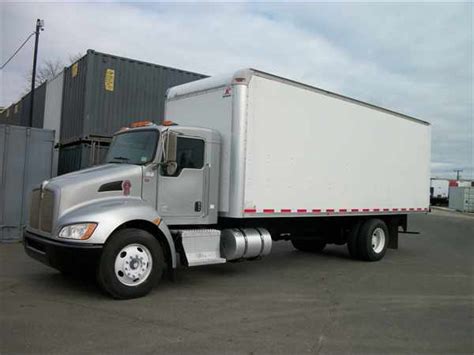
[(81, 231)]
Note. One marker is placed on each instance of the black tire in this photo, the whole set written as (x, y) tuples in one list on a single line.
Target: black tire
[(353, 240), (308, 245), (366, 249), (106, 275)]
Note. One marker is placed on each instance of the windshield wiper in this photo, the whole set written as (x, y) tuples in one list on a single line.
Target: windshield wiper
[(120, 159)]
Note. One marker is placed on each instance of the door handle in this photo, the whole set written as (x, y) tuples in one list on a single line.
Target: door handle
[(197, 206)]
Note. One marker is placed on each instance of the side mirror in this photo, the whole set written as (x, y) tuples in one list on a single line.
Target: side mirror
[(171, 168), (170, 146), (170, 163)]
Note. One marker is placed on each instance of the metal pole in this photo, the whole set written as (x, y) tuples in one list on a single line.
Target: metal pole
[(458, 171), (39, 26)]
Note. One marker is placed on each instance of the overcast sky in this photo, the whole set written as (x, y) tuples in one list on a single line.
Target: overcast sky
[(415, 58)]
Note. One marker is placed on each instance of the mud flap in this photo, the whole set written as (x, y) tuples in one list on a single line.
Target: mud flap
[(393, 233)]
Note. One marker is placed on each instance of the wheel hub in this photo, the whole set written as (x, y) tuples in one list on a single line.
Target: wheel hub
[(378, 240), (133, 264)]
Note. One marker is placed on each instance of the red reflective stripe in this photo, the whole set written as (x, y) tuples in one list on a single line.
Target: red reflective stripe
[(332, 210)]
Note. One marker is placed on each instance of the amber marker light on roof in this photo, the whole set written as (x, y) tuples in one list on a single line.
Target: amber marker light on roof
[(140, 124), (168, 123)]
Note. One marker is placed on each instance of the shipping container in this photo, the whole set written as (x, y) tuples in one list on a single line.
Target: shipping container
[(11, 115), (38, 109), (461, 198), (103, 93), (82, 155), (25, 161), (52, 111), (19, 114), (6, 115)]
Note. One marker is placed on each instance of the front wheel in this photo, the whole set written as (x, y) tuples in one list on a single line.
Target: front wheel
[(131, 264)]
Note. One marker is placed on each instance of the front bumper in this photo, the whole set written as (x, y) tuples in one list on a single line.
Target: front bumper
[(61, 255)]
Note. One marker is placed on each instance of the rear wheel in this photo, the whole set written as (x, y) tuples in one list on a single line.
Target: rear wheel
[(372, 240), (308, 245), (131, 264)]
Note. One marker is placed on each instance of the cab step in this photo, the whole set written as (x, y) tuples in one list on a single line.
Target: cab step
[(201, 246)]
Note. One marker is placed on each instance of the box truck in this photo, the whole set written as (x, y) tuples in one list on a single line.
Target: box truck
[(241, 161)]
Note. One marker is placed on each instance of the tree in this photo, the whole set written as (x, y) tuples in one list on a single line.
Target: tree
[(74, 57), (48, 69)]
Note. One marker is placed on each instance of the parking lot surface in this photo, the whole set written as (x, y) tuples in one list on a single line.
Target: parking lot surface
[(418, 299)]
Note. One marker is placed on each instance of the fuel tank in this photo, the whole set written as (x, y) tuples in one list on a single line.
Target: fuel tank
[(245, 243)]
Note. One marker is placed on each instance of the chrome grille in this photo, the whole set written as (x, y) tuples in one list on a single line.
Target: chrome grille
[(47, 211), (34, 208)]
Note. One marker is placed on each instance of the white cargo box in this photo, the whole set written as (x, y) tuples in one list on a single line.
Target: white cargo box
[(440, 188), (290, 149)]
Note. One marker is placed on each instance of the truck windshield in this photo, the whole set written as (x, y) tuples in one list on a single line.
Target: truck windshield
[(135, 147)]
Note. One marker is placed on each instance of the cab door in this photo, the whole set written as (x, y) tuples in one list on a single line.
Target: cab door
[(182, 193)]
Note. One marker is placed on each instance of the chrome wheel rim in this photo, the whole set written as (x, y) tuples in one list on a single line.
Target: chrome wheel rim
[(133, 264), (378, 240)]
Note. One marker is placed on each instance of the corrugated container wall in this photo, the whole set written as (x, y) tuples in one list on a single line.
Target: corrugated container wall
[(19, 114), (103, 93), (38, 109), (16, 117), (11, 115), (81, 155), (25, 161), (461, 198), (52, 112), (6, 115)]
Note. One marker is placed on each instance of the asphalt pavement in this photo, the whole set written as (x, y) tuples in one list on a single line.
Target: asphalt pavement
[(418, 299)]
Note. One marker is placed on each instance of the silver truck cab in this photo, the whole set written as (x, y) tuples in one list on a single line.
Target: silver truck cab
[(155, 177)]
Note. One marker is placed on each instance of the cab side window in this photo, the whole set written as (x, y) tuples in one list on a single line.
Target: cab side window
[(189, 153)]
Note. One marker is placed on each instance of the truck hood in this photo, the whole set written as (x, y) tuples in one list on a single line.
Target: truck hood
[(86, 186)]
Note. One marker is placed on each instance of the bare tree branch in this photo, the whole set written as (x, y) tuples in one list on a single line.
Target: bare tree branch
[(74, 57), (48, 69)]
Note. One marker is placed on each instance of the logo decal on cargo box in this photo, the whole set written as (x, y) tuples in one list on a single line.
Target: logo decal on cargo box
[(109, 79), (227, 92), (126, 186)]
